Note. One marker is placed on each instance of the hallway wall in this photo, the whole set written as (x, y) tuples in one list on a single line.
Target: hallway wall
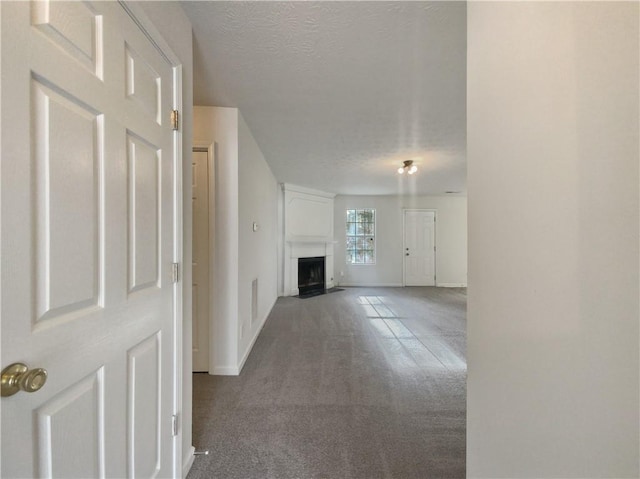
[(245, 192), (257, 260), (553, 320)]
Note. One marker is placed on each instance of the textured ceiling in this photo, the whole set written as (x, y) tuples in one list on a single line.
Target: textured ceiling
[(338, 94)]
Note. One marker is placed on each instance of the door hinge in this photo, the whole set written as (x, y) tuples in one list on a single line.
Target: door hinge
[(175, 119), (175, 273), (174, 425)]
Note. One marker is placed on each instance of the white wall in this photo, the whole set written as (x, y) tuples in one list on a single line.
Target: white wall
[(553, 225), (258, 250), (219, 126), (451, 239), (246, 192), (175, 28)]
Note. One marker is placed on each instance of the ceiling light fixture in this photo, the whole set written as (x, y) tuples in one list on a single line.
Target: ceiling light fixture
[(409, 167)]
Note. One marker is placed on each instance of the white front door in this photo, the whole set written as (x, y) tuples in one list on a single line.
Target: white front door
[(88, 165), (200, 274), (419, 248)]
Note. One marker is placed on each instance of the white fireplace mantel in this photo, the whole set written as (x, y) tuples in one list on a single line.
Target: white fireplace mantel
[(307, 249), (309, 240), (299, 250)]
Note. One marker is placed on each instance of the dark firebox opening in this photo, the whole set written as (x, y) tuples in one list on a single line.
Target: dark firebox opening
[(310, 275)]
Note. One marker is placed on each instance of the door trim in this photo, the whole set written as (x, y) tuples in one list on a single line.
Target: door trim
[(435, 241), (139, 17)]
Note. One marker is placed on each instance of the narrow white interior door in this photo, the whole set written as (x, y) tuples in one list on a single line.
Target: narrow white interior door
[(200, 261), (419, 248), (87, 189)]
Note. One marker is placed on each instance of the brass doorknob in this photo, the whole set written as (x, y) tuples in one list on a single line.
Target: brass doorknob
[(18, 377)]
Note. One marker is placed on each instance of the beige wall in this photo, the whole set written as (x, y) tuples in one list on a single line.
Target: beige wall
[(553, 239)]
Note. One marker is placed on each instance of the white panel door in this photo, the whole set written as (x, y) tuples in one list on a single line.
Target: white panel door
[(87, 225), (419, 248), (200, 272)]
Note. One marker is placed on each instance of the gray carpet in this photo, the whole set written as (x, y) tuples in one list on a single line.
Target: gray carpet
[(368, 383)]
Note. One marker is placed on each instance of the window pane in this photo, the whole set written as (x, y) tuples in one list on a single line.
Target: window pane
[(360, 236), (365, 216)]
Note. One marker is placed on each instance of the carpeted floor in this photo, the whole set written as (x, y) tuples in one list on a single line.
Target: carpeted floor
[(365, 383)]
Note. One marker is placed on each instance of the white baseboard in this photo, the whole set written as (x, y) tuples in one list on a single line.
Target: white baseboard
[(187, 461), (235, 370), (225, 371), (451, 285), (255, 336)]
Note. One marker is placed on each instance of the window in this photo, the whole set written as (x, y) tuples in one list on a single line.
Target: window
[(361, 236)]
